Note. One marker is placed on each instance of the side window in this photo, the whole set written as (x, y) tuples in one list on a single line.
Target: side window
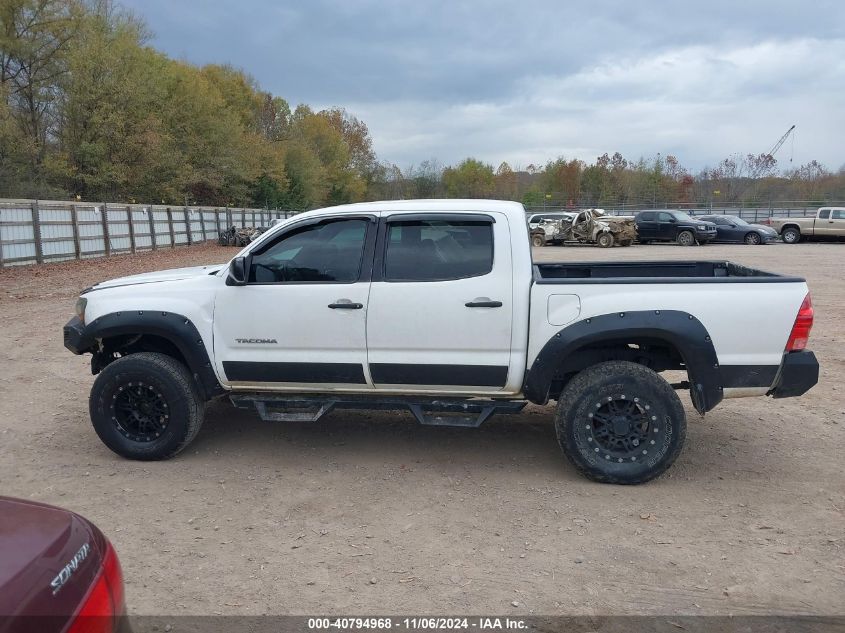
[(664, 217), (329, 252), (438, 250), (839, 215), (647, 216), (824, 214)]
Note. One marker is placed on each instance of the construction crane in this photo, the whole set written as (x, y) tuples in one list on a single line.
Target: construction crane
[(780, 142)]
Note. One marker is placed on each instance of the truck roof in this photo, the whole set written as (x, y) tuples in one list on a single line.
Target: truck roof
[(503, 206)]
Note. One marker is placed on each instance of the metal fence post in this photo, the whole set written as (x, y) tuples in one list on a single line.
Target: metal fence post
[(74, 223), (106, 234), (170, 227), (202, 225), (36, 232), (131, 228), (153, 243), (188, 231)]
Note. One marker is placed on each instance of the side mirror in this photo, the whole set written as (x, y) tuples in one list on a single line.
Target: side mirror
[(673, 220), (237, 272)]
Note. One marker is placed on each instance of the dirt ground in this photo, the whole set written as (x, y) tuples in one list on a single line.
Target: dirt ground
[(370, 513)]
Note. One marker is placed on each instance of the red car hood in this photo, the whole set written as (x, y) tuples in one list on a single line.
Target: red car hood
[(49, 558)]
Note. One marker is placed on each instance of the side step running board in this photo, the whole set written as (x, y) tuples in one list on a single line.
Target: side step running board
[(441, 412)]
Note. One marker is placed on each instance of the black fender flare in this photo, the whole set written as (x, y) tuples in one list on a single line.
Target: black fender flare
[(680, 329), (175, 328)]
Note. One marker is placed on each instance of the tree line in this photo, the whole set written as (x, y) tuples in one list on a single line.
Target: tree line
[(89, 110)]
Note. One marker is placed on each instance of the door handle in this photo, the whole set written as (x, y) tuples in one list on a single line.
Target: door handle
[(345, 304), (483, 302)]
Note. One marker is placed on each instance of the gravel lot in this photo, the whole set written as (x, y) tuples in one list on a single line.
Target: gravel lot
[(371, 513)]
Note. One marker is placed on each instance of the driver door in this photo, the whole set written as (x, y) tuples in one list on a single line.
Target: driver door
[(300, 321)]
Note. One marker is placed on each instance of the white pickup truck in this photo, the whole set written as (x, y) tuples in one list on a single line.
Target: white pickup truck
[(435, 307)]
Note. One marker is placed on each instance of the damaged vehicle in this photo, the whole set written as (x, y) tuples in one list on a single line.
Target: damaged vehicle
[(435, 307), (590, 226), (234, 236)]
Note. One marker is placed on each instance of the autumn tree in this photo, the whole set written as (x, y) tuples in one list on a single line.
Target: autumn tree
[(471, 178)]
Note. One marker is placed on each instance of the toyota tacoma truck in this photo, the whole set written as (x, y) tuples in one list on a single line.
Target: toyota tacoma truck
[(827, 224), (436, 307)]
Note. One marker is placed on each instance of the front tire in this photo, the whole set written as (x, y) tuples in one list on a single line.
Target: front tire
[(146, 406), (619, 422), (538, 240), (605, 240), (791, 235), (686, 238)]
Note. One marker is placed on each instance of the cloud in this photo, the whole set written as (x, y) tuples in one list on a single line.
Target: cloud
[(699, 102), (529, 81)]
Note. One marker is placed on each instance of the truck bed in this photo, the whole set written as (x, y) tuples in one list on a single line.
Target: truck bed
[(652, 272)]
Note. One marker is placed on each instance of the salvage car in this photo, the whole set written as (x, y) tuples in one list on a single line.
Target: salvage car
[(58, 573), (590, 226), (673, 226), (827, 224), (733, 229), (435, 306)]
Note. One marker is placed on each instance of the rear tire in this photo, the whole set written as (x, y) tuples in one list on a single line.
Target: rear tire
[(619, 422), (753, 239), (686, 238), (791, 235), (146, 406), (605, 240)]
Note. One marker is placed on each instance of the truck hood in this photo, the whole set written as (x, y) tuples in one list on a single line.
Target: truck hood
[(173, 274)]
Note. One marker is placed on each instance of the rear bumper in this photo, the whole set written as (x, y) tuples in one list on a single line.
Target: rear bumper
[(799, 374)]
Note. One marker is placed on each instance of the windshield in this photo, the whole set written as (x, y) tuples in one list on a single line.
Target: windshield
[(684, 217), (738, 221)]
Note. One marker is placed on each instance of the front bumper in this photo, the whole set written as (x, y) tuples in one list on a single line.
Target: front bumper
[(74, 337), (705, 236), (799, 374)]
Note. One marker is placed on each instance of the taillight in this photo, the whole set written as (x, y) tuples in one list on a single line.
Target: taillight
[(104, 603), (801, 330)]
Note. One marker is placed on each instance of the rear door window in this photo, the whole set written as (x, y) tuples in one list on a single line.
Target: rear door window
[(438, 250)]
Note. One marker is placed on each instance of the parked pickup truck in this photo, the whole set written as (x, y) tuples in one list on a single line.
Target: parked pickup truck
[(828, 223), (436, 307), (673, 226)]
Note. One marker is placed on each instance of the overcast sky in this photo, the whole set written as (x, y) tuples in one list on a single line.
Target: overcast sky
[(530, 80)]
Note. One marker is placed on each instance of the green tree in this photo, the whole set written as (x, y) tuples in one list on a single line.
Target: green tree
[(469, 179)]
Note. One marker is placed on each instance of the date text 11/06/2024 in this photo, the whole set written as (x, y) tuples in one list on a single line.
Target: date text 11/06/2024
[(417, 623)]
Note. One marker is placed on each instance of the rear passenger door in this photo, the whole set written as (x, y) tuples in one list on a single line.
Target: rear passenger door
[(440, 309), (666, 226), (647, 225)]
